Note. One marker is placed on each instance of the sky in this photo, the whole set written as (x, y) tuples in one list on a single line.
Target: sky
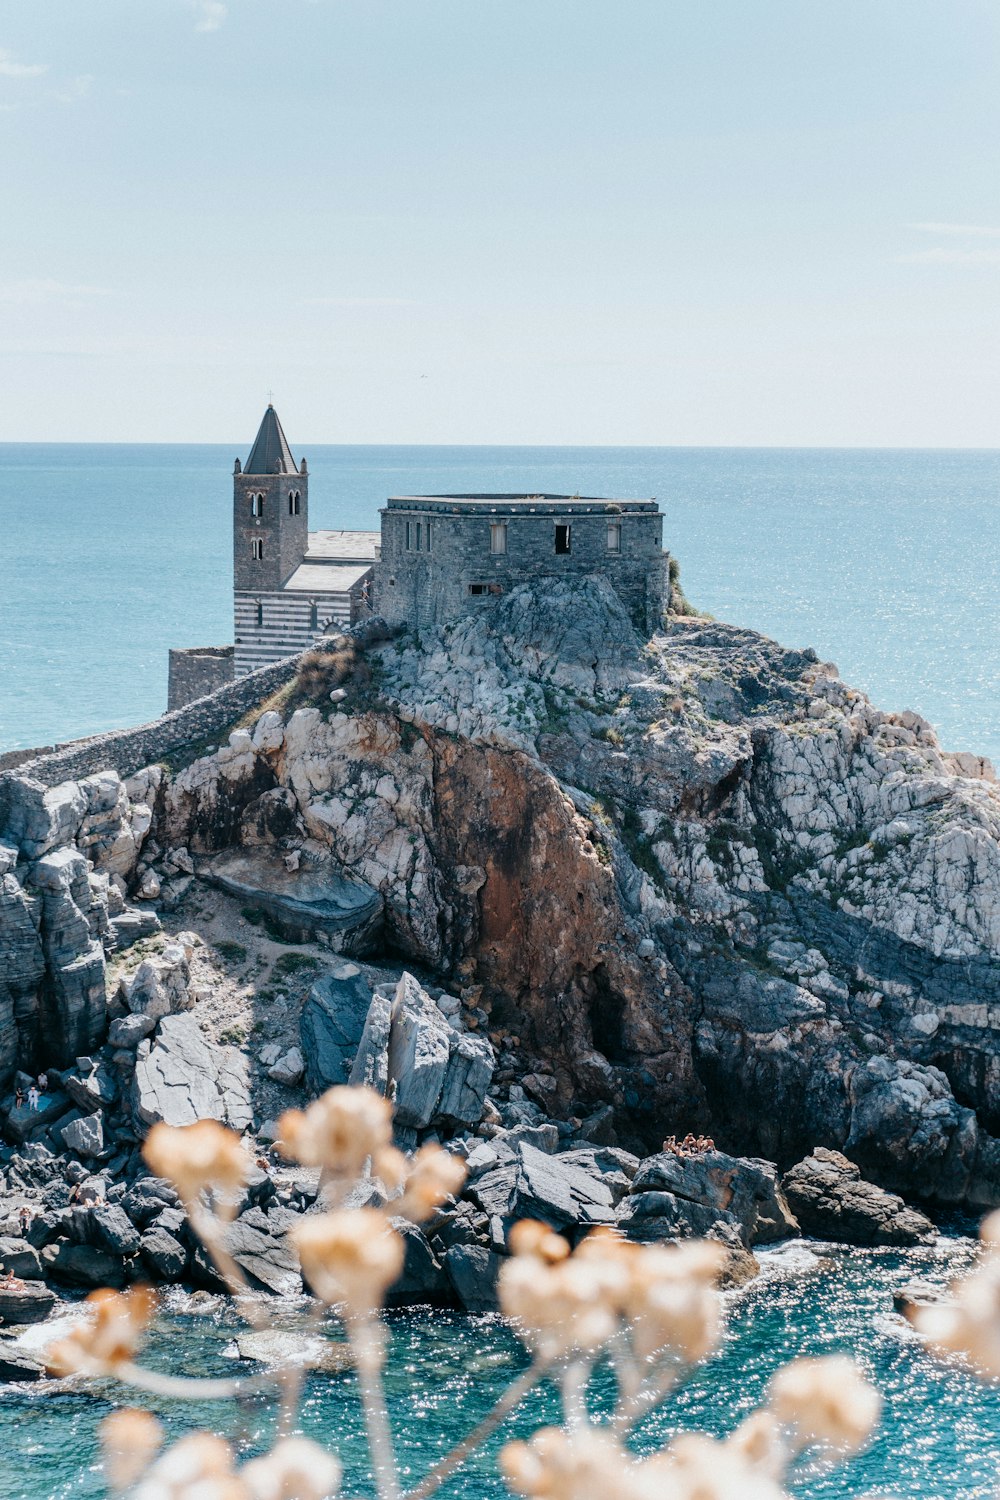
[(747, 222)]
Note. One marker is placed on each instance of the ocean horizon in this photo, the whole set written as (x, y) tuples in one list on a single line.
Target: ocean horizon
[(884, 560)]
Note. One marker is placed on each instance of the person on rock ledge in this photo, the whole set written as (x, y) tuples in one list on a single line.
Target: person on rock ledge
[(691, 1145), (33, 1097)]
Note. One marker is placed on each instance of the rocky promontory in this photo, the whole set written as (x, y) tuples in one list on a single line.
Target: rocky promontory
[(644, 887)]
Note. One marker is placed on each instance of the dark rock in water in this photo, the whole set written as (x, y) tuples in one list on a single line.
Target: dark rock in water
[(918, 1294), (30, 1303), (268, 1262), (276, 1346), (83, 1265), (111, 1229), (163, 1255), (203, 1272), (473, 1271), (832, 1201), (15, 1365), (742, 1265), (711, 1187), (21, 1258), (330, 1027), (423, 1279), (304, 902)]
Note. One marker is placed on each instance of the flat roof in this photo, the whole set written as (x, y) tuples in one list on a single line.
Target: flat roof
[(326, 577), (521, 501), (342, 546)]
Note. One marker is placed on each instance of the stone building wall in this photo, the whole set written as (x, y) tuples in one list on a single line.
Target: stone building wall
[(459, 572), (285, 535), (196, 672), (271, 625)]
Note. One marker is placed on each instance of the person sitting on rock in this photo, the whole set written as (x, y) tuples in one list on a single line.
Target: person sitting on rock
[(43, 1082), (33, 1097), (24, 1218), (19, 1097)]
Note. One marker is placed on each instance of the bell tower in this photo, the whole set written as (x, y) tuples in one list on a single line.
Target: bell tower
[(270, 512)]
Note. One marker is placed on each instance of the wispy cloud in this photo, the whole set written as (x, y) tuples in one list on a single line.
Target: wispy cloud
[(76, 89), (35, 292), (10, 68), (209, 14), (964, 231)]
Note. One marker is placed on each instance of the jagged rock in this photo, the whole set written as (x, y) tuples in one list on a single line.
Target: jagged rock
[(288, 1068), (130, 926), (20, 1257), (37, 818), (96, 1089), (537, 1186), (317, 899), (148, 1198), (738, 1190), (22, 968), (128, 1031), (269, 1262), (82, 1265), (371, 1063), (160, 985), (73, 998), (467, 1079), (30, 1303), (163, 1255), (183, 1078), (419, 1049), (331, 1024), (473, 1271), (423, 1279), (110, 1229), (15, 1365), (832, 1201), (85, 1136), (914, 1294), (271, 817)]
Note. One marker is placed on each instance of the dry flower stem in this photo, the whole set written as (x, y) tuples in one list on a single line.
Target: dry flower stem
[(366, 1340), (511, 1398)]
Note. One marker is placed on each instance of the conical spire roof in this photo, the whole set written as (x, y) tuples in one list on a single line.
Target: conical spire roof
[(270, 453)]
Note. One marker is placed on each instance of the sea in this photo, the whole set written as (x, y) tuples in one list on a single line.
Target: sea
[(887, 562)]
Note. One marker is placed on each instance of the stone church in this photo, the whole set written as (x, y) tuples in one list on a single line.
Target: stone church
[(435, 557)]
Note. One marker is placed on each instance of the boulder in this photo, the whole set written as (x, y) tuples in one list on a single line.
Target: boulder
[(270, 1262), (371, 1063), (419, 1049), (162, 1254), (832, 1201), (711, 1185), (147, 1198), (110, 1228), (22, 1121), (183, 1078), (15, 1365), (288, 1069), (537, 1186), (423, 1279), (20, 1257), (82, 1265), (128, 1031), (130, 926), (30, 1303), (85, 1136), (95, 1089), (160, 985), (473, 1271), (331, 1025), (278, 1346), (467, 1078)]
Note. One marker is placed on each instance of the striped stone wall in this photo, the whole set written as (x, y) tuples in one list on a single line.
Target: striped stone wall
[(270, 627)]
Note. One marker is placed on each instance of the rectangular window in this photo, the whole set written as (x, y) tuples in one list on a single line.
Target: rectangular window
[(427, 531), (479, 588), (562, 539), (419, 538), (408, 542), (614, 536), (498, 537)]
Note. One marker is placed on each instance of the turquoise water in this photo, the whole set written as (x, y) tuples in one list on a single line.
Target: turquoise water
[(939, 1437), (887, 562)]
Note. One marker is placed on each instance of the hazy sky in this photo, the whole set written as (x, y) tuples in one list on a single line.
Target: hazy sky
[(537, 221)]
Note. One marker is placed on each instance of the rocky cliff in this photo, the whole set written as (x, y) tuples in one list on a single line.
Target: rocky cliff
[(691, 882)]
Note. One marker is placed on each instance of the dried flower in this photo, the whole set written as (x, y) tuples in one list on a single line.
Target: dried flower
[(339, 1131), (435, 1174), (969, 1324), (529, 1237), (295, 1469), (199, 1157), (198, 1465), (698, 1467), (130, 1439), (110, 1335), (391, 1167), (563, 1307), (826, 1400), (350, 1256), (671, 1304), (588, 1465)]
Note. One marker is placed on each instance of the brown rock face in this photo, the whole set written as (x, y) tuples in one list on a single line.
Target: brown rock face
[(552, 946)]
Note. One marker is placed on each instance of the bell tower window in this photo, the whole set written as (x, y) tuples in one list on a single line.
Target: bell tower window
[(257, 548), (293, 502), (256, 505)]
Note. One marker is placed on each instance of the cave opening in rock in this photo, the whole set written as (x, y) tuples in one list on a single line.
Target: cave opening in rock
[(606, 1013)]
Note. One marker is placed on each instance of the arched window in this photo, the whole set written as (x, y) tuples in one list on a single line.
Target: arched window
[(256, 505), (293, 502), (257, 548)]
